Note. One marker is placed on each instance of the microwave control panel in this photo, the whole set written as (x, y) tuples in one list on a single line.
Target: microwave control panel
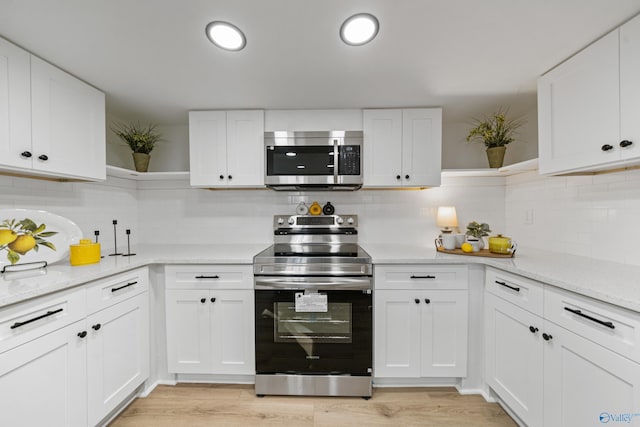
[(349, 160)]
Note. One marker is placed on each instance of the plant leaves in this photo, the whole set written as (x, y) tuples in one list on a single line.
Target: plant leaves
[(28, 225), (47, 233), (39, 229), (13, 257), (49, 245)]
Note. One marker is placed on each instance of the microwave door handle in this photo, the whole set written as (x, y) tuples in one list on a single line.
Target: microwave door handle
[(336, 159)]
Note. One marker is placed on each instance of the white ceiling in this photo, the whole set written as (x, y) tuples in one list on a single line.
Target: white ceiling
[(152, 58)]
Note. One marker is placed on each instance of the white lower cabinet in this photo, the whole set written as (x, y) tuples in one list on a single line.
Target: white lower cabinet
[(210, 329), (71, 366), (580, 369), (420, 321)]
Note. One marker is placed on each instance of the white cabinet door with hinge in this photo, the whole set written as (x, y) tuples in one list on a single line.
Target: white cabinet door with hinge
[(382, 150), (513, 357), (43, 382), (68, 124), (443, 333), (15, 106), (579, 109), (226, 148), (232, 332), (188, 326), (397, 334), (118, 354), (586, 384), (630, 89)]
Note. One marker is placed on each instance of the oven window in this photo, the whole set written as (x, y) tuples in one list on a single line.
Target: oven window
[(332, 326)]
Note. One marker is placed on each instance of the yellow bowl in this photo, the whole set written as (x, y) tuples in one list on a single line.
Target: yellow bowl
[(84, 253)]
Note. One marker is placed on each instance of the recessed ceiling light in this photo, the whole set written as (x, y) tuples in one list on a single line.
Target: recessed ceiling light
[(225, 35), (359, 29)]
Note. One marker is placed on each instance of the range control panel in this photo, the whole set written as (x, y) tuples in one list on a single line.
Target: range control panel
[(310, 222)]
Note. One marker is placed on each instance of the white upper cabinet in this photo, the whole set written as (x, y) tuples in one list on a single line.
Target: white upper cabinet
[(15, 105), (588, 106), (402, 148), (51, 123), (226, 148)]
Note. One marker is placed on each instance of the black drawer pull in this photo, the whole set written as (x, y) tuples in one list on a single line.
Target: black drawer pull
[(123, 286), (26, 154), (47, 314), (82, 334), (508, 286), (533, 329), (208, 277), (427, 301), (96, 327), (547, 337), (625, 143), (428, 276), (593, 319), (606, 147), (417, 301), (213, 300)]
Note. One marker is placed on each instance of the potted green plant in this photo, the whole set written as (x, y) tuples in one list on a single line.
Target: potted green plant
[(140, 139), (476, 231), (495, 132)]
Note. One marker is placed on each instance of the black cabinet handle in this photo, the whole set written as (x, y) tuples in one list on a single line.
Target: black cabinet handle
[(593, 319), (606, 147), (208, 277), (625, 143), (213, 300), (42, 316), (398, 177), (203, 300), (427, 301), (508, 286), (82, 334), (96, 327), (428, 276), (26, 154), (417, 301), (230, 177), (406, 177), (123, 286), (533, 329), (221, 176), (43, 157), (546, 337)]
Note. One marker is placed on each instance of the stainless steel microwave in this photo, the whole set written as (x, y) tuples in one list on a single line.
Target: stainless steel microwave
[(329, 160)]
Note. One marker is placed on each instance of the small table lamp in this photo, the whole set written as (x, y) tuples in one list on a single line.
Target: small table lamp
[(446, 219)]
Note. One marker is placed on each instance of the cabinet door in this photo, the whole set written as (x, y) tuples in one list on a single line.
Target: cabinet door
[(630, 88), (188, 331), (232, 332), (208, 148), (245, 148), (586, 384), (118, 354), (397, 333), (513, 358), (43, 382), (15, 106), (421, 147), (68, 124), (579, 109), (443, 334), (382, 148)]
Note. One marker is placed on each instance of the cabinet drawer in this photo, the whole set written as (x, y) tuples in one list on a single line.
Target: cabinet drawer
[(209, 276), (523, 292), (31, 319), (607, 325), (416, 276), (106, 292)]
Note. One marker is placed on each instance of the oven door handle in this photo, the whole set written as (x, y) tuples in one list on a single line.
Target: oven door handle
[(319, 283)]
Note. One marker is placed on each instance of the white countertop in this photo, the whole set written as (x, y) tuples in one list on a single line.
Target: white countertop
[(615, 283)]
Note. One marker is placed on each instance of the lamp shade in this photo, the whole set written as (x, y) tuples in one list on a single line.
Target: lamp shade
[(447, 217)]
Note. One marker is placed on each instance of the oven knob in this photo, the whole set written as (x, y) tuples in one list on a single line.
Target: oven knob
[(339, 220), (350, 221), (292, 220), (280, 221)]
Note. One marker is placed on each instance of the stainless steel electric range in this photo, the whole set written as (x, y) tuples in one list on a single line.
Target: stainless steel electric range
[(313, 319)]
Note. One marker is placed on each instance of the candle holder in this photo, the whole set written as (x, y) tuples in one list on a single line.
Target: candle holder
[(115, 241), (128, 244), (97, 233)]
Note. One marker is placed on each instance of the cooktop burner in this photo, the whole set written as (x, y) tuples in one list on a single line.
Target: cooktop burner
[(341, 250)]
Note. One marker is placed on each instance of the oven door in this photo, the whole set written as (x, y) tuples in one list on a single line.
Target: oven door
[(313, 330)]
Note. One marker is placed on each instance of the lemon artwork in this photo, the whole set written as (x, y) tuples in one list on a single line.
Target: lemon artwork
[(20, 237)]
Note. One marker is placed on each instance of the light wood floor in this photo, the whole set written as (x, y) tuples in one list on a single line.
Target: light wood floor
[(236, 405)]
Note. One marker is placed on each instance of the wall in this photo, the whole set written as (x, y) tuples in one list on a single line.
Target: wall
[(594, 216)]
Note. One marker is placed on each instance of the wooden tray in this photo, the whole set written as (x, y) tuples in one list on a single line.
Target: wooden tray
[(482, 252)]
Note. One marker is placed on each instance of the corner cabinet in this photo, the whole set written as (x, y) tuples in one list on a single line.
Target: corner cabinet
[(209, 314), (588, 106), (402, 148), (51, 123), (420, 324), (226, 148)]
